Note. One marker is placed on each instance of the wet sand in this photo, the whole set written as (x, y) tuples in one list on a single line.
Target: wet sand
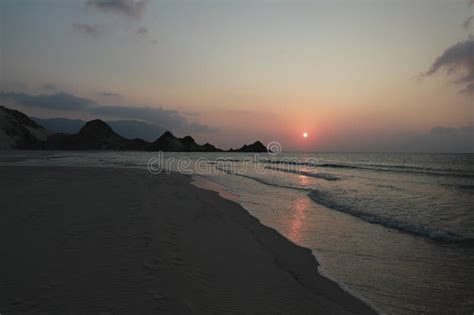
[(92, 240)]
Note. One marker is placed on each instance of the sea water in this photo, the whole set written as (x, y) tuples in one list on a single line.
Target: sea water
[(395, 230)]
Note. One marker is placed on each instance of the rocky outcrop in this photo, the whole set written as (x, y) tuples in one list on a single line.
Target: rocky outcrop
[(95, 135), (256, 147), (18, 131), (169, 143), (210, 148), (130, 129)]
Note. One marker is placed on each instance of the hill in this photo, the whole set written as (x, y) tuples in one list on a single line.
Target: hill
[(95, 135), (18, 131), (130, 129), (169, 143)]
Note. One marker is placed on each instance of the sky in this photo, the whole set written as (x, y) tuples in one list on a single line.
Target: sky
[(380, 75)]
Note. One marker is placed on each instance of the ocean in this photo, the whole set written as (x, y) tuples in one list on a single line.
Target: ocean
[(395, 230)]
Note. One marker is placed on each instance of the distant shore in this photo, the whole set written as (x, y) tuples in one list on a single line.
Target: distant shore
[(125, 241)]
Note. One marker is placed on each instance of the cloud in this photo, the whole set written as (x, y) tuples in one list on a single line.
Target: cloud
[(110, 94), (439, 139), (129, 8), (468, 89), (170, 119), (161, 117), (449, 139), (467, 130), (158, 116), (142, 31), (49, 87), (457, 59), (90, 30), (468, 22), (57, 101)]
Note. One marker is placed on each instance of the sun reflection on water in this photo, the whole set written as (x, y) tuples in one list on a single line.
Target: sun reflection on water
[(297, 220)]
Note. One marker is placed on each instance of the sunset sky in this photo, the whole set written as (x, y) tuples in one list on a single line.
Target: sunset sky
[(355, 75)]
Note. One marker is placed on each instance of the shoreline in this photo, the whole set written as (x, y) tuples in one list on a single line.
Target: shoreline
[(148, 242), (207, 184)]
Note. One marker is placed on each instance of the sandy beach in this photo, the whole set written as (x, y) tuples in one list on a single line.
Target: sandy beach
[(107, 240)]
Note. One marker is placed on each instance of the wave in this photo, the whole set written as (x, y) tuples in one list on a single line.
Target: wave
[(223, 161), (467, 187), (401, 169), (264, 182), (380, 168), (290, 162), (227, 160), (412, 228), (325, 176)]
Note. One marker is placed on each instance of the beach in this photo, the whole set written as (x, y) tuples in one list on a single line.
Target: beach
[(117, 240)]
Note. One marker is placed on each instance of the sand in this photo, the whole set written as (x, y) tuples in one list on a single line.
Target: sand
[(105, 240)]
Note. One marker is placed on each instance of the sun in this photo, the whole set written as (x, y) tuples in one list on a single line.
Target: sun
[(305, 135)]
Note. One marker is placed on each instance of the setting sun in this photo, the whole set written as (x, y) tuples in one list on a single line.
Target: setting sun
[(305, 134)]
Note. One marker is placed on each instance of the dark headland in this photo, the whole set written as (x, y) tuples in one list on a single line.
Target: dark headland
[(18, 131)]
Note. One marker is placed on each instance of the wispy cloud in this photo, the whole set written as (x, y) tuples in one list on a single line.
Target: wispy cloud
[(159, 116), (170, 119), (468, 22), (49, 87), (142, 31), (57, 101), (446, 131), (110, 94), (90, 30), (438, 139), (457, 60), (129, 8)]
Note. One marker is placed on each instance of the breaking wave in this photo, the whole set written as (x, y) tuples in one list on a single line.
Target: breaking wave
[(325, 176), (412, 228), (262, 181), (379, 168), (290, 162)]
